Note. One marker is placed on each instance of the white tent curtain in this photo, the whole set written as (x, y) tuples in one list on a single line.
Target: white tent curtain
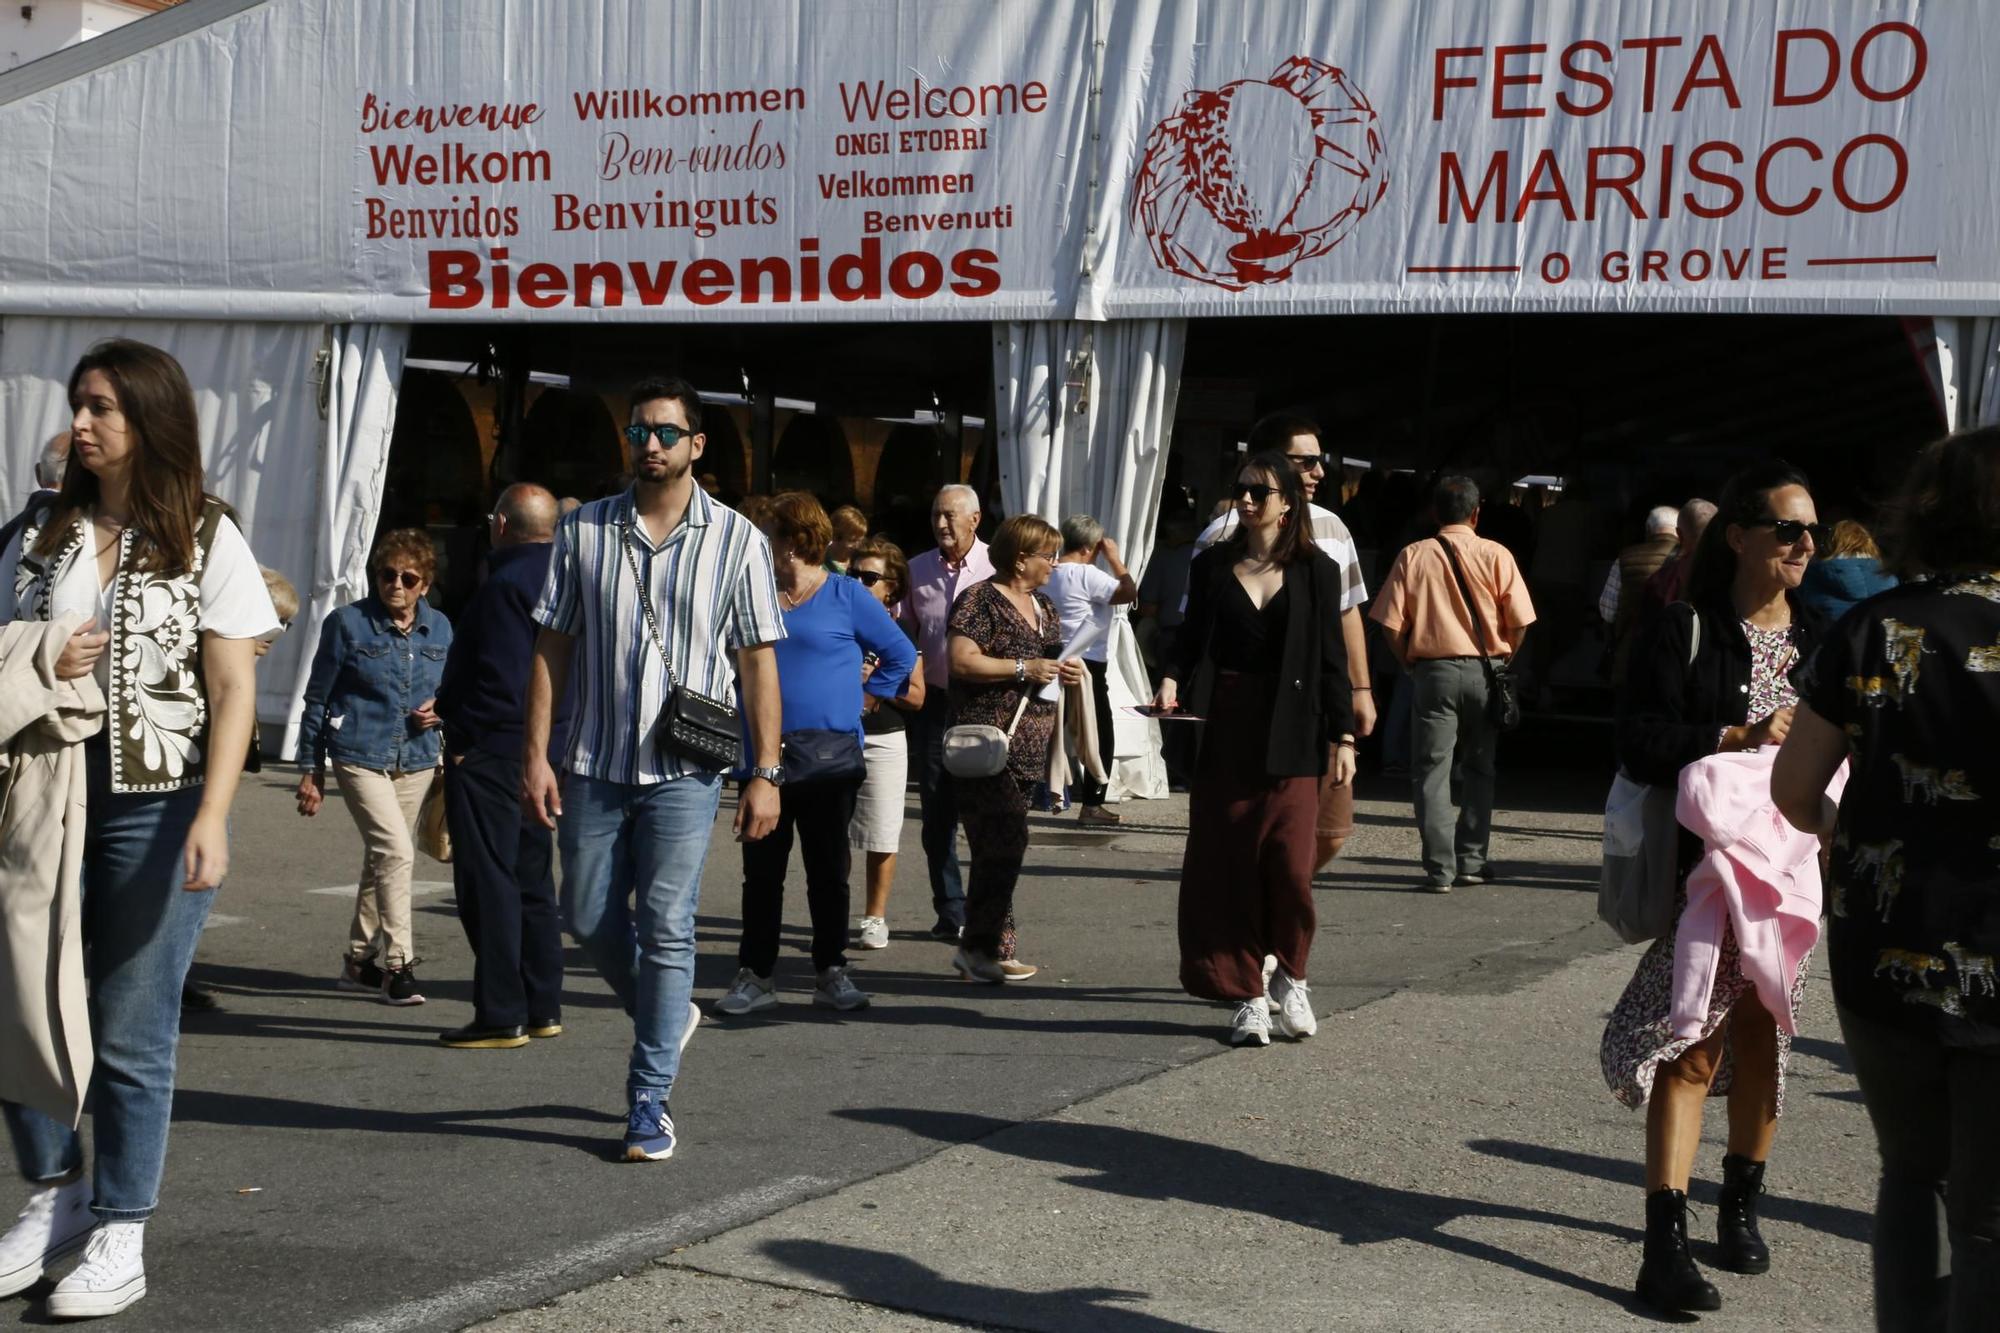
[(364, 368), (1966, 374), (254, 397), (1085, 416)]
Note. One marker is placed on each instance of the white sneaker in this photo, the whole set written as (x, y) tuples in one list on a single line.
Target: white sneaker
[(111, 1276), (874, 933), (1252, 1024), (694, 1021), (747, 994), (55, 1222), (837, 991), (1292, 1006)]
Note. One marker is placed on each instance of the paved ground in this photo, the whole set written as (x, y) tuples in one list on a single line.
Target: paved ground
[(1062, 1154)]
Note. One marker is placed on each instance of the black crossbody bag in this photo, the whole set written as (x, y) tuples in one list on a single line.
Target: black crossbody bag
[(693, 726), (1503, 693)]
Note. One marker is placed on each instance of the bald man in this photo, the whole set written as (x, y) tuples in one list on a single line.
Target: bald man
[(501, 860)]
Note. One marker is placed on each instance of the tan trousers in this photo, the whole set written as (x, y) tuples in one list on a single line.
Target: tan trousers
[(384, 806)]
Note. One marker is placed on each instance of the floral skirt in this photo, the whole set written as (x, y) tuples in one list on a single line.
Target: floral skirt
[(1639, 1037)]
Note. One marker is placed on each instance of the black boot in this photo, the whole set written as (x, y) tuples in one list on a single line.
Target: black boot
[(1743, 1248), (1668, 1278)]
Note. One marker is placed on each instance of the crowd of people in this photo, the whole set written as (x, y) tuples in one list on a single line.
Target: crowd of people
[(621, 660)]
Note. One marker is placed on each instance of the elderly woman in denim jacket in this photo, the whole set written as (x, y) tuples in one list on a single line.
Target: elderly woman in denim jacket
[(370, 709)]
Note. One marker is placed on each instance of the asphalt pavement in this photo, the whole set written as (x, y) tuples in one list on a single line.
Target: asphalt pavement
[(1079, 1151)]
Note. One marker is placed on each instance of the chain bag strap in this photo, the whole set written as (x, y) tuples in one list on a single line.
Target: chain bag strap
[(693, 726), (1503, 698)]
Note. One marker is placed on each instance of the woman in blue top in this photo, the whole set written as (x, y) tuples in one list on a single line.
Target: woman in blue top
[(830, 621), (370, 707)]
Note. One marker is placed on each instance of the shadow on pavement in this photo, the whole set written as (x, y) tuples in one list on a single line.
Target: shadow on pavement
[(1141, 1165), (895, 1282), (232, 1108), (1847, 1223)]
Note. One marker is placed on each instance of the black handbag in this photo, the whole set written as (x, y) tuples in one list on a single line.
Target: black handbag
[(1503, 692), (823, 756), (693, 726)]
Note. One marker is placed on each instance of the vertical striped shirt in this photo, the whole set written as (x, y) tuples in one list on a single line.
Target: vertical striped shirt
[(712, 591)]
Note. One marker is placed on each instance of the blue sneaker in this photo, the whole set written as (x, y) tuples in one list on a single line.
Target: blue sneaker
[(649, 1130)]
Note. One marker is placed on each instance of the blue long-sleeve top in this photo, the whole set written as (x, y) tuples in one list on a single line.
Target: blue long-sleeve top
[(819, 659)]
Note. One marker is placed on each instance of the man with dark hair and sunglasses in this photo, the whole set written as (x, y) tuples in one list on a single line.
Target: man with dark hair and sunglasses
[(657, 590), (1298, 438)]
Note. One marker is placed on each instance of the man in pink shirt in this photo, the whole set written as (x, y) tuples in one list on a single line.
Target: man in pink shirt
[(936, 580)]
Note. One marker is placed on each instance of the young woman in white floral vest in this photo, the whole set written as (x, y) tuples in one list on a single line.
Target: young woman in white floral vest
[(176, 604)]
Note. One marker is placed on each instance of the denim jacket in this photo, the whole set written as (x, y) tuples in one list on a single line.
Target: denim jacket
[(366, 678)]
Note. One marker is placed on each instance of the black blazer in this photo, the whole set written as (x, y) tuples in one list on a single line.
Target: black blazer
[(1674, 710), (1315, 701)]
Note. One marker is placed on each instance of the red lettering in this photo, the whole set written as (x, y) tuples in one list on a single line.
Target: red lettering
[(754, 273), (1690, 271), (1709, 50), (1599, 81), (502, 291), (1616, 266), (1451, 179), (707, 282), (1653, 266), (1652, 46), (1763, 178), (1441, 80), (542, 286), (1920, 60), (1782, 94), (916, 276), (1502, 81), (857, 277), (1596, 180), (609, 276), (1556, 191), (1774, 263), (1728, 182), (1736, 263), (656, 283), (1895, 190), (454, 280), (977, 271)]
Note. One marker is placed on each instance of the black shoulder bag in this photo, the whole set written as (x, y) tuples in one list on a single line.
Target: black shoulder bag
[(1503, 693), (693, 726)]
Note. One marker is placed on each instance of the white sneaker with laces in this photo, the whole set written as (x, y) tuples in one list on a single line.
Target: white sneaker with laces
[(1252, 1024), (1291, 1006), (56, 1221), (874, 933), (747, 994), (836, 990), (111, 1276)]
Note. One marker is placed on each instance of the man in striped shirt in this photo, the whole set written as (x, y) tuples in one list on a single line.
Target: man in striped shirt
[(638, 818), (1298, 439)]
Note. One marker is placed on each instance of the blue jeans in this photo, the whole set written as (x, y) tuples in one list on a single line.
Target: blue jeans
[(139, 932), (632, 858)]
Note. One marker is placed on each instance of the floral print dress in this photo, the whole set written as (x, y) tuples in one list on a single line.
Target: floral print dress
[(1639, 1037)]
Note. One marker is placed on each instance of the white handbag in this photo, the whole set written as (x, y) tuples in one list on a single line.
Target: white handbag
[(977, 750)]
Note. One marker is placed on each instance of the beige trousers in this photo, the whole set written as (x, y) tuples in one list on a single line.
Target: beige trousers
[(384, 806)]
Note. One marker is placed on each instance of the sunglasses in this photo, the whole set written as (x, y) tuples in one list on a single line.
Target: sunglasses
[(1789, 530), (1257, 494), (1307, 462), (409, 578), (869, 577), (668, 435)]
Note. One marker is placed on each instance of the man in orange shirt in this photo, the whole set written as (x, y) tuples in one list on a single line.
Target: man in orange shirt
[(1445, 645)]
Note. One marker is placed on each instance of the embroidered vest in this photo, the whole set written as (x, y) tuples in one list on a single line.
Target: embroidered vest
[(158, 708)]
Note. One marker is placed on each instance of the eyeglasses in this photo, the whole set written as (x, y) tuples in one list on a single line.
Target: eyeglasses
[(668, 434), (1051, 556), (1789, 530), (1257, 494), (869, 577), (409, 578), (1307, 462)]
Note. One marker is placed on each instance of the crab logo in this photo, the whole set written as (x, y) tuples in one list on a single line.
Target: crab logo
[(1244, 183)]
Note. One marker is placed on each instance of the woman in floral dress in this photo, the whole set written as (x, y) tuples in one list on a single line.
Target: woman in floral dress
[(1730, 689), (175, 604)]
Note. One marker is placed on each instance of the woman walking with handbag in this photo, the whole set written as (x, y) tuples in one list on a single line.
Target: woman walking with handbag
[(1266, 662), (830, 622), (1003, 641), (131, 539), (1731, 690)]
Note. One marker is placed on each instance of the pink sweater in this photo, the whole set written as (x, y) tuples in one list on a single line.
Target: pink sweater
[(1758, 876)]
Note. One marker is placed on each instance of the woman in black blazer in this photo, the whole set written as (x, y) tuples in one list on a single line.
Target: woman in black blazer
[(1715, 673), (1262, 652)]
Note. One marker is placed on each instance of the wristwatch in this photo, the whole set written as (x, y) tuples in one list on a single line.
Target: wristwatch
[(775, 774)]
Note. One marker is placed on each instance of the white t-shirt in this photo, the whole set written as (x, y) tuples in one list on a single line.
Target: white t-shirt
[(235, 604), (1083, 592), (1329, 534)]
